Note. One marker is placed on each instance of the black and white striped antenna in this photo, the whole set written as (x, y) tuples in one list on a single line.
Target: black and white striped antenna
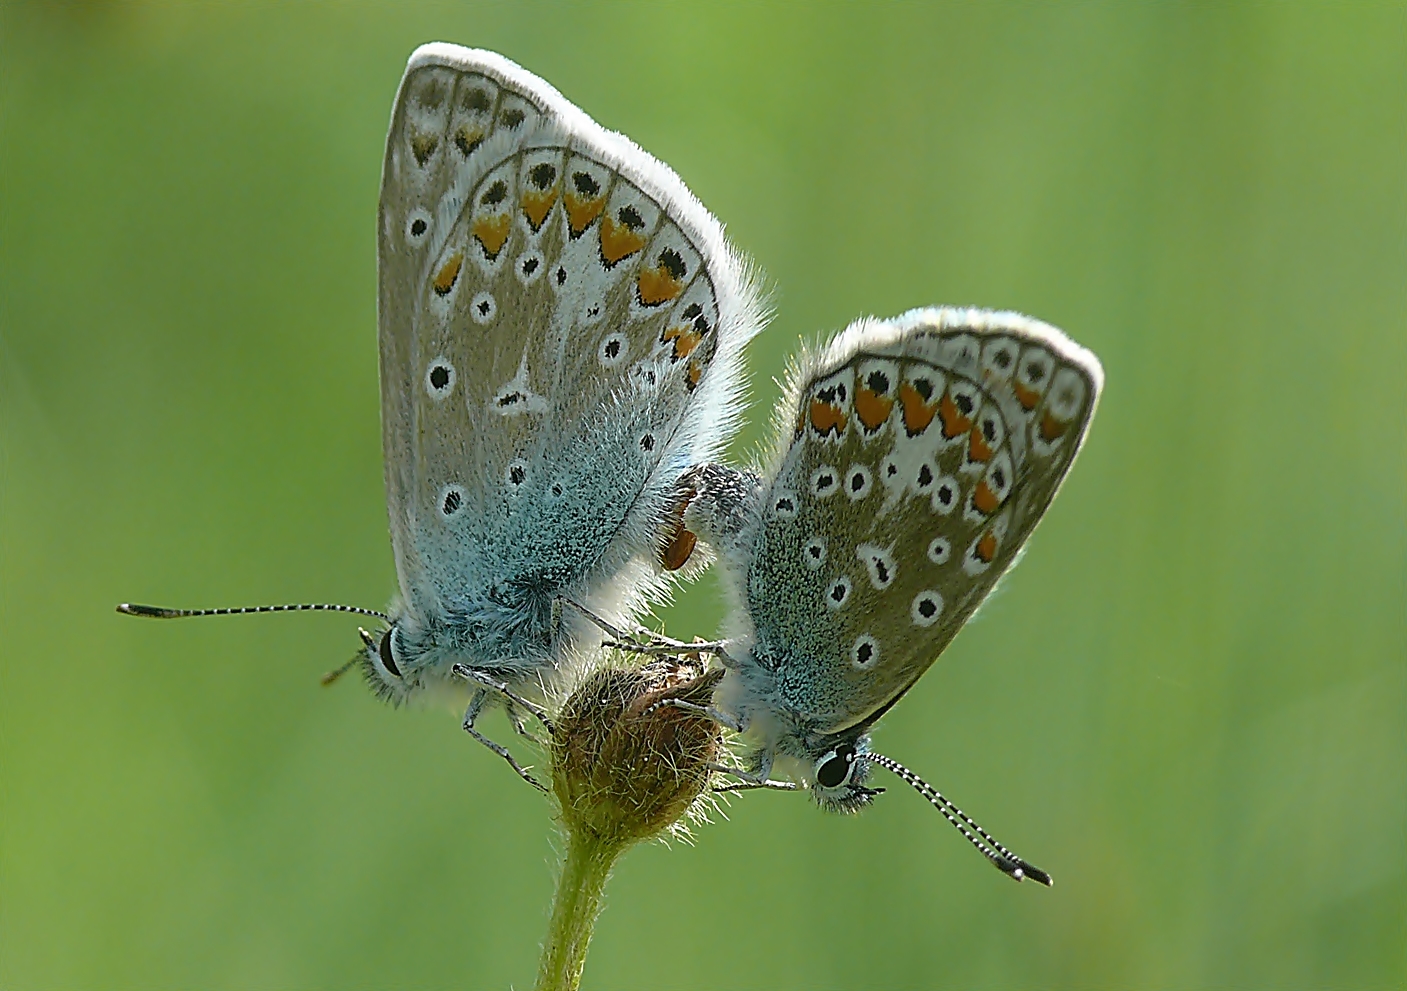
[(1001, 858), (160, 612)]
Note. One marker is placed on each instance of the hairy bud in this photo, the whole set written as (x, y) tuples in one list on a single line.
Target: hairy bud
[(624, 767)]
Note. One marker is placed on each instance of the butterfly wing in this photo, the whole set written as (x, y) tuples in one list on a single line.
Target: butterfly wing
[(561, 324), (914, 459)]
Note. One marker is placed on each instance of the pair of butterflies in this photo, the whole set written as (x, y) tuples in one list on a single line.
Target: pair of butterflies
[(561, 333)]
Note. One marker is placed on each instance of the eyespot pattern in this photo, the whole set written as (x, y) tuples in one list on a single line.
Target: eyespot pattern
[(838, 592), (926, 608), (452, 499), (940, 550), (529, 266), (784, 506), (825, 482), (483, 308), (614, 349), (440, 377), (864, 653), (946, 493), (879, 562), (858, 482), (417, 225)]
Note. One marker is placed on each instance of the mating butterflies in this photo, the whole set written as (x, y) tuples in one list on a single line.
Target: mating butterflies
[(913, 458), (561, 325)]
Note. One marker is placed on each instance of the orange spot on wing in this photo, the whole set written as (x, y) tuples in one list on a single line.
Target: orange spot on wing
[(422, 146), (985, 500), (987, 547), (685, 339), (695, 374), (954, 423), (872, 408), (1051, 428), (1027, 397), (448, 274), (467, 139), (918, 412), (657, 285), (580, 213), (618, 241), (977, 447), (826, 418), (491, 232), (537, 205)]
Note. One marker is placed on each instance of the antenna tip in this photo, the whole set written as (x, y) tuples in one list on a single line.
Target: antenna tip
[(1023, 870), (131, 609)]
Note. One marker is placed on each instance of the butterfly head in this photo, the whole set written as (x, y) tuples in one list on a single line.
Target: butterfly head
[(383, 665), (396, 667), (838, 777)]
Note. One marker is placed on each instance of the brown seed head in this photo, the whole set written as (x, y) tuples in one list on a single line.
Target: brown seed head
[(622, 772)]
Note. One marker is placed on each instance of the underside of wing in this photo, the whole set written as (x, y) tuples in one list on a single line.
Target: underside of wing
[(560, 323), (917, 454)]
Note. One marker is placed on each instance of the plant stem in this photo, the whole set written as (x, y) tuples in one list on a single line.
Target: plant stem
[(578, 902)]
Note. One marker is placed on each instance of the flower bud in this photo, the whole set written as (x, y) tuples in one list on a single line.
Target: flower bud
[(625, 768)]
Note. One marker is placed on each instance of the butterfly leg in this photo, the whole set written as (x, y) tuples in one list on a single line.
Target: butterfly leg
[(753, 780), (649, 642), (644, 641), (661, 644), (604, 626), (483, 678), (521, 728), (476, 705), (707, 711), (756, 785)]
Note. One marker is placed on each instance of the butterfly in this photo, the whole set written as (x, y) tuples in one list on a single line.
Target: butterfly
[(912, 459), (561, 325)]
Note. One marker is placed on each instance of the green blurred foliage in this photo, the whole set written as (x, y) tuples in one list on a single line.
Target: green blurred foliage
[(1189, 703)]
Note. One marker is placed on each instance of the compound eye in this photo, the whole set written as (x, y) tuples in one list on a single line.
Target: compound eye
[(387, 659), (834, 769)]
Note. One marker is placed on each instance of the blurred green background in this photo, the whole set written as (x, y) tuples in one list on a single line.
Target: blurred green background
[(1189, 703)]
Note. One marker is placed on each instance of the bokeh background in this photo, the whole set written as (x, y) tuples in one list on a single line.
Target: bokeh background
[(1189, 703)]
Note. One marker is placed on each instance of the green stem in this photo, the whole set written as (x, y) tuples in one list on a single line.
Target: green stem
[(584, 875)]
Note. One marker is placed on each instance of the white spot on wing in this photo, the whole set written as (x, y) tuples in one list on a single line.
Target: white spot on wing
[(838, 592), (483, 308), (946, 493), (825, 482), (939, 550), (926, 608), (417, 226), (614, 349), (879, 562), (864, 653), (858, 482), (516, 397), (440, 377), (784, 505)]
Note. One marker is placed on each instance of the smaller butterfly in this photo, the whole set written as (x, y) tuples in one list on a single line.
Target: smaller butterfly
[(913, 458)]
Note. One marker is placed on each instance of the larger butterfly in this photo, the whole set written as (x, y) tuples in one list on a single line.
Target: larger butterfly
[(561, 324), (913, 458)]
